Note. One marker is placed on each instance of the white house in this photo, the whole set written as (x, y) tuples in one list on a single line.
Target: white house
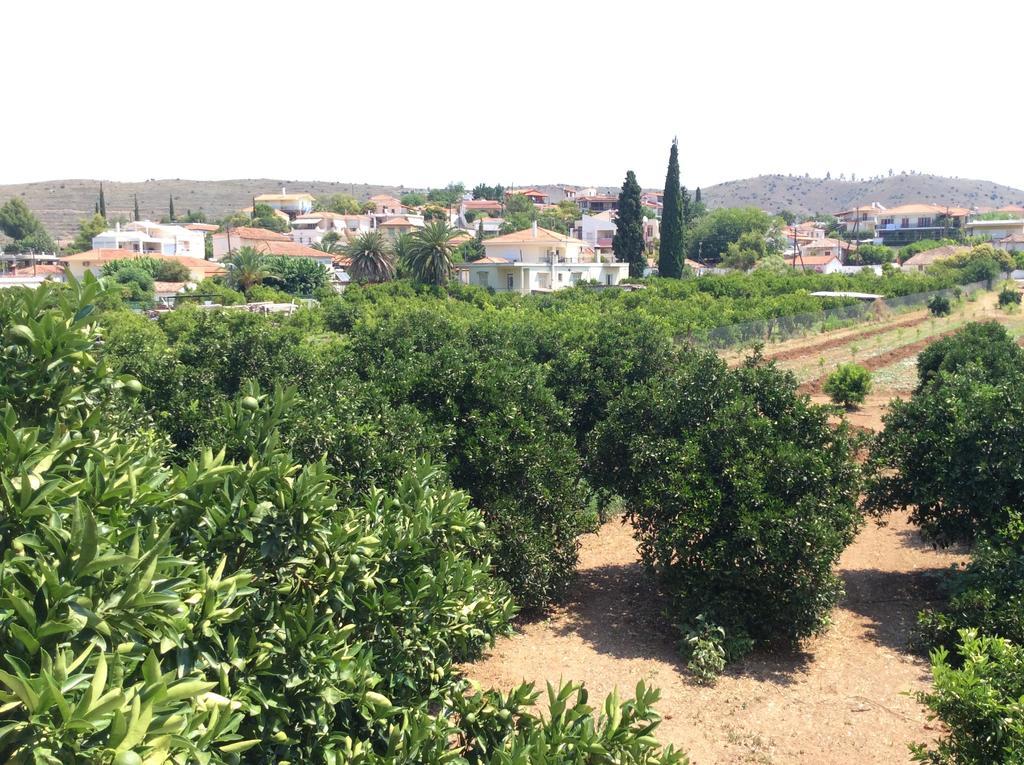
[(310, 228), (821, 246), (861, 220), (822, 264), (596, 230), (994, 230), (902, 225), (599, 230), (149, 238), (539, 260), (291, 205)]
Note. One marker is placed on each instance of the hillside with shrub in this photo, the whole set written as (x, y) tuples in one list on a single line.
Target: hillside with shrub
[(61, 204)]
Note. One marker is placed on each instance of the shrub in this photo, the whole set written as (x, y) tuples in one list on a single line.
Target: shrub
[(161, 269), (939, 305), (1009, 296), (260, 293), (987, 595), (704, 646), (848, 385), (986, 346), (981, 704), (296, 276), (741, 494), (951, 453), (217, 292), (230, 605)]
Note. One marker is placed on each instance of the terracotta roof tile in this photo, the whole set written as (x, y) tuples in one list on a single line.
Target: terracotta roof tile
[(251, 232), (544, 236)]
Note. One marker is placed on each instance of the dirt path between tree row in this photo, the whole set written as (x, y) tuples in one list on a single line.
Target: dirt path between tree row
[(840, 701)]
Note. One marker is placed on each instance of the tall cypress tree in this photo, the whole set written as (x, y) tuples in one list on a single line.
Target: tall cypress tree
[(686, 206), (670, 259), (628, 242), (478, 244), (170, 206), (137, 216), (102, 206), (696, 196)]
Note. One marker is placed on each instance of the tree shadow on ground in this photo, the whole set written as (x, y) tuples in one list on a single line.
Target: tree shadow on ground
[(618, 611), (891, 600), (912, 538)]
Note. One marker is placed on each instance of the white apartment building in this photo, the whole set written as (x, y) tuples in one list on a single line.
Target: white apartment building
[(311, 228), (149, 238)]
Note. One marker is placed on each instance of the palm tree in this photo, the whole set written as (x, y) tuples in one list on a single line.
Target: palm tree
[(246, 267), (429, 258), (329, 244), (371, 258)]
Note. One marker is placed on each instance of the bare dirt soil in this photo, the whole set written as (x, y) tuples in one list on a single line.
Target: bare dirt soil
[(841, 700)]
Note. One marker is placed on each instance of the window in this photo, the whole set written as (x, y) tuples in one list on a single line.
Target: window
[(905, 223), (924, 222), (608, 279), (560, 275), (510, 281), (483, 278), (887, 221)]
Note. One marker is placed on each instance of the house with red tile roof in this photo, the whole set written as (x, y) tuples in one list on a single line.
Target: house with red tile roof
[(908, 223), (595, 203), (235, 237), (534, 195), (822, 264), (539, 260)]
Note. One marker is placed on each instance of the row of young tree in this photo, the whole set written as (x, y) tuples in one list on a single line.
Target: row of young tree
[(951, 456), (231, 603), (239, 456)]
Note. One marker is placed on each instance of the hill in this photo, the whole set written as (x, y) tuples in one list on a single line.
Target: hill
[(805, 196), (61, 204)]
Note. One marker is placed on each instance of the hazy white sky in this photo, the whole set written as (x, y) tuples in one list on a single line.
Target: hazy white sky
[(423, 93)]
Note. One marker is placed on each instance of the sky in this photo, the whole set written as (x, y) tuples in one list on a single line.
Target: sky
[(425, 93)]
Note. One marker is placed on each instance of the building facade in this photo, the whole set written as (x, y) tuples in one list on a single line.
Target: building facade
[(148, 238), (292, 205), (539, 260), (902, 225)]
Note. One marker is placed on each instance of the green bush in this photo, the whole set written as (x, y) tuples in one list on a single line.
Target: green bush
[(939, 305), (260, 293), (216, 292), (295, 276), (848, 385), (987, 595), (161, 269), (986, 346), (951, 453), (980, 702), (741, 494), (230, 606), (1009, 296)]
